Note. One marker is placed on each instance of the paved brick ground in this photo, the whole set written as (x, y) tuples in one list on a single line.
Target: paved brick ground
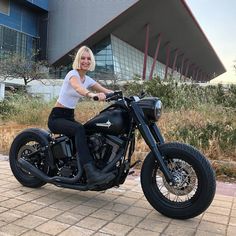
[(124, 211)]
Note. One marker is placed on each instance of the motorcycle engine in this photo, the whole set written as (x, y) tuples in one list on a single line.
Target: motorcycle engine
[(104, 149)]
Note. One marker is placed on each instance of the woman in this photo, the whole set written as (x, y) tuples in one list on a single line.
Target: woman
[(61, 119)]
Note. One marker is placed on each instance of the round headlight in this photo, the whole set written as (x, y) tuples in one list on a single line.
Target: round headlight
[(151, 107), (158, 109)]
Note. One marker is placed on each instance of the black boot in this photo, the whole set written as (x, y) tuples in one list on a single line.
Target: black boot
[(95, 176)]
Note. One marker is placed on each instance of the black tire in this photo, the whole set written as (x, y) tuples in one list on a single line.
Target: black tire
[(193, 195), (23, 143)]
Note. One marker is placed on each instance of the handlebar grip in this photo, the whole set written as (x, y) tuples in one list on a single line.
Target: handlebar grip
[(110, 96)]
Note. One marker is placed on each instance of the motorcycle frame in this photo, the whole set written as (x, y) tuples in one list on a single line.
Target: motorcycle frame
[(152, 136), (150, 133)]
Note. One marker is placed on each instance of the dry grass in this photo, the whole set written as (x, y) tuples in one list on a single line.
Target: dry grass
[(168, 124)]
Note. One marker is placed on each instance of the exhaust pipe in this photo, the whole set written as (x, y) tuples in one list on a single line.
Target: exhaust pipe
[(33, 170), (54, 180)]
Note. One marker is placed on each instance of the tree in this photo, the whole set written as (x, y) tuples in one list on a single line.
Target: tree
[(16, 66), (108, 78)]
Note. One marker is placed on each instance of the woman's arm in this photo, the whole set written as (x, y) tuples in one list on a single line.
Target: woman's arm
[(99, 88), (79, 89)]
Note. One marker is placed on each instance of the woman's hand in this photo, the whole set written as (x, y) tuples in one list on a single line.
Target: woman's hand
[(101, 96)]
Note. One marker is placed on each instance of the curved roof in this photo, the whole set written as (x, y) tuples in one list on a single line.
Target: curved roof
[(178, 27)]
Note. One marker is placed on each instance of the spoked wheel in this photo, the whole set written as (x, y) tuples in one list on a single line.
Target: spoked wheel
[(194, 182), (185, 178), (25, 144)]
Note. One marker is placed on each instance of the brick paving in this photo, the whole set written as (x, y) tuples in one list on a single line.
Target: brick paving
[(50, 210)]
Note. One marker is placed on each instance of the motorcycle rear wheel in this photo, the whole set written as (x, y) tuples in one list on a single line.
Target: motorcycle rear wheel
[(194, 187), (24, 144)]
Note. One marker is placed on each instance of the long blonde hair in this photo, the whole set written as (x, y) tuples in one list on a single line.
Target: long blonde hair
[(76, 63)]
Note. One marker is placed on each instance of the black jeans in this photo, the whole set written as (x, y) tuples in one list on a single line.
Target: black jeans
[(61, 121)]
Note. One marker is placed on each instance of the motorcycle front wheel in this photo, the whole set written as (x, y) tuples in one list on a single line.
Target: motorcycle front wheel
[(194, 187)]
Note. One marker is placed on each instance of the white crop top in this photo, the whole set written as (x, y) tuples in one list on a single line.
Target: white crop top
[(68, 96)]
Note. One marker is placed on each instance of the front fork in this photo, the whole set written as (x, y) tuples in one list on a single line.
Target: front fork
[(152, 136)]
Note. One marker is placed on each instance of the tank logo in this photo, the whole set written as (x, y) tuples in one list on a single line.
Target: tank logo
[(107, 124)]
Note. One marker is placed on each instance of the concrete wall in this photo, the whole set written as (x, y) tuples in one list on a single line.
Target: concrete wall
[(71, 22), (2, 91), (47, 89)]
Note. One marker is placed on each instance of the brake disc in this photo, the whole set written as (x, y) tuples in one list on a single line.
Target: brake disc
[(25, 151), (184, 177)]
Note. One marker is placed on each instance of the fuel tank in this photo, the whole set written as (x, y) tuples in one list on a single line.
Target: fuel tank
[(112, 121)]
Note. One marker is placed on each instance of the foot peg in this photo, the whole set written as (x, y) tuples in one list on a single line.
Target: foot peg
[(135, 163), (131, 172)]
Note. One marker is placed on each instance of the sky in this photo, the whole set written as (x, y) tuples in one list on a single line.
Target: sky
[(217, 19)]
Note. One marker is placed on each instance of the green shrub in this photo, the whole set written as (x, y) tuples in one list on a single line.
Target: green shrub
[(177, 95), (24, 109), (201, 137), (6, 108)]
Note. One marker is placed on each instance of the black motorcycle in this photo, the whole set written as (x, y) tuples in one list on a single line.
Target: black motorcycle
[(177, 180)]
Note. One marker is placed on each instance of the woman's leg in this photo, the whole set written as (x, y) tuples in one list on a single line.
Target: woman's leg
[(73, 129)]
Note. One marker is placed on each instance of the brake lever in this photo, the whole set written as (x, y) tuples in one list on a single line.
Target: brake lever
[(111, 98), (142, 94)]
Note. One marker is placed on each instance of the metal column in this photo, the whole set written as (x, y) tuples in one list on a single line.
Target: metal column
[(182, 67), (155, 56), (187, 68), (167, 59), (146, 52), (197, 74), (174, 63)]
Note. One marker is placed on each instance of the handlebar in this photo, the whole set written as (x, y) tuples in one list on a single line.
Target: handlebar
[(111, 96), (95, 98), (119, 95)]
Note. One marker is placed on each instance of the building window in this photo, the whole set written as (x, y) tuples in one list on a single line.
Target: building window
[(128, 61), (5, 7), (16, 42), (104, 60)]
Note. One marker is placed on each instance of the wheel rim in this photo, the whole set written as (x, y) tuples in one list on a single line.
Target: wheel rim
[(186, 181), (25, 150)]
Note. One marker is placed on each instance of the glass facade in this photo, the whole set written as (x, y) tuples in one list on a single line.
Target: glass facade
[(16, 42), (116, 59), (128, 61), (104, 60)]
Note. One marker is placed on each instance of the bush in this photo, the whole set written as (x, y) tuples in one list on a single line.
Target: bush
[(201, 137), (6, 108), (24, 109), (177, 95)]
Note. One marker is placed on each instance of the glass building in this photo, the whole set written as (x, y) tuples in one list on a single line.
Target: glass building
[(23, 27), (117, 60), (16, 42), (128, 61), (118, 33)]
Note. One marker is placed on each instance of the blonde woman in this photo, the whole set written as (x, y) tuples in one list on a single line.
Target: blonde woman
[(61, 119)]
